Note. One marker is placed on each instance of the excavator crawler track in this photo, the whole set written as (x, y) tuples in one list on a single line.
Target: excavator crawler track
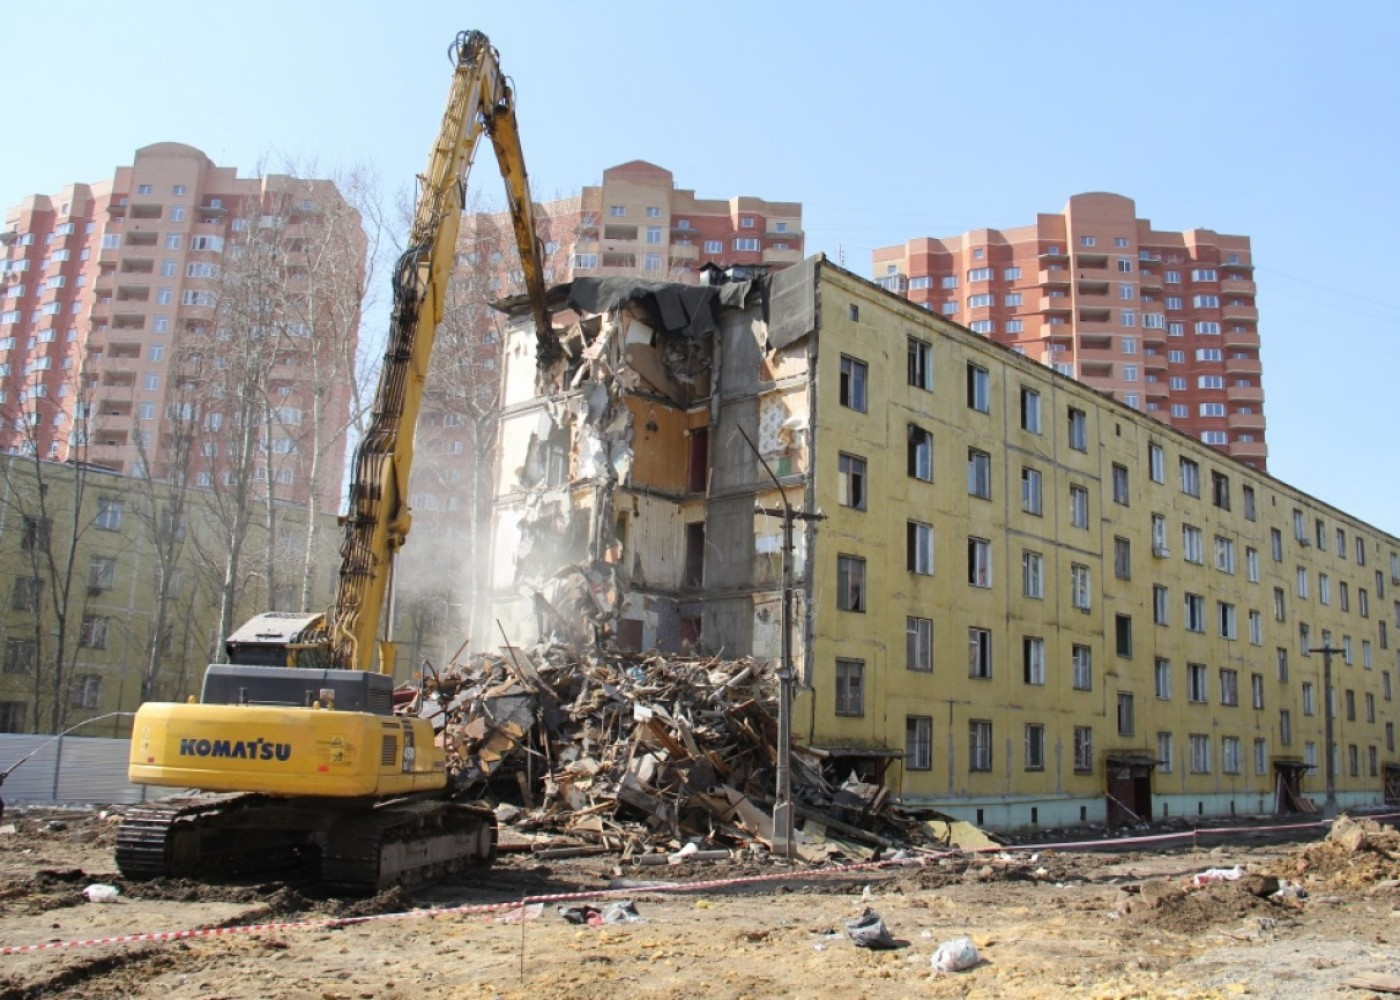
[(405, 844)]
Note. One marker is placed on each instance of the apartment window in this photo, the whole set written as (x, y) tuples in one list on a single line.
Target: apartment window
[(1079, 586), (1160, 615), (979, 652), (1030, 490), (1030, 410), (1363, 602), (1324, 588), (1305, 639), (1200, 753), (979, 392), (93, 634), (854, 374), (1251, 564), (109, 514), (1303, 582), (1230, 754), (26, 593), (1082, 659), (918, 742), (1125, 713), (1078, 507), (1078, 429), (1033, 574), (920, 364), (1279, 608), (1229, 687), (1190, 477), (949, 281), (1197, 683), (1192, 547), (102, 573), (1256, 628), (1162, 675), (1352, 762), (1083, 750), (87, 691), (1159, 536), (1120, 484), (1035, 747), (1195, 613), (982, 301), (919, 548), (1224, 554), (1122, 559), (918, 636), (1344, 595), (1033, 660), (979, 473), (1165, 754), (1285, 727), (850, 687), (20, 656), (1370, 702), (920, 456), (851, 485), (1156, 463), (979, 562), (979, 745), (850, 583), (1123, 634), (745, 243)]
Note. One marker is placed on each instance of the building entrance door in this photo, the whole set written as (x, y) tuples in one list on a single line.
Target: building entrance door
[(1129, 790)]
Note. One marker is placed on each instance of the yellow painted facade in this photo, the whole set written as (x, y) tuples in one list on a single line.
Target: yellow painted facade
[(1220, 702)]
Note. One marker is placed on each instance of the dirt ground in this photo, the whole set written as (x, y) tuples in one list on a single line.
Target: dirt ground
[(1103, 925)]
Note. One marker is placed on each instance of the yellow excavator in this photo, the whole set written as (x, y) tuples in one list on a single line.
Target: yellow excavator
[(293, 751)]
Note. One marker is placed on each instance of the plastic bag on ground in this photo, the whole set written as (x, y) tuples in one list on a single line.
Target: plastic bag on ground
[(957, 955), (100, 893), (1218, 875), (869, 931), (621, 913)]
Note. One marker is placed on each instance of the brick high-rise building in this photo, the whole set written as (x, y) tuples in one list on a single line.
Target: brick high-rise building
[(1163, 321), (106, 287)]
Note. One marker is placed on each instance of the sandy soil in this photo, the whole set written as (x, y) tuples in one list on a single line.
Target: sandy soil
[(1112, 925)]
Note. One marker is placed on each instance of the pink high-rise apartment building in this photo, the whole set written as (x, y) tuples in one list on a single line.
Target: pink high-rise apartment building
[(1165, 322), (104, 287)]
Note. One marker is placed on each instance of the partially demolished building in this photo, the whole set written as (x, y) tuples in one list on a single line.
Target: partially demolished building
[(1022, 602)]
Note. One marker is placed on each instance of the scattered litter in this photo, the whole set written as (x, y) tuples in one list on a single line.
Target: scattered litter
[(624, 912), (582, 914), (957, 955), (869, 931), (101, 893), (521, 914), (1218, 875)]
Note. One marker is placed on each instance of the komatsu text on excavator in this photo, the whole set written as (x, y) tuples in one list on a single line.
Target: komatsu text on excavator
[(293, 749)]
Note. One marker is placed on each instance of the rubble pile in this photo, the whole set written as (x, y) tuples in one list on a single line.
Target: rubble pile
[(1355, 853), (640, 753)]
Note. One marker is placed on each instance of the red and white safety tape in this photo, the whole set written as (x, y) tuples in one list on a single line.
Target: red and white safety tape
[(560, 897)]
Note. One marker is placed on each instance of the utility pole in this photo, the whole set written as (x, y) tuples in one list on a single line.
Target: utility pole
[(782, 799), (1329, 806)]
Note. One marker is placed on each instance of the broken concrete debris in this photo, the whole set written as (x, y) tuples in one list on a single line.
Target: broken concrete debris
[(645, 754)]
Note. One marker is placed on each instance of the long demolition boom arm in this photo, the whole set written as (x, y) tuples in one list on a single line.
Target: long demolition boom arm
[(377, 522)]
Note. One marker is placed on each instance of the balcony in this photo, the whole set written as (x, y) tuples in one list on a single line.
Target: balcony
[(1095, 314), (1247, 394), (775, 256), (1246, 422), (1150, 282), (1247, 450), (138, 265), (1056, 304), (1095, 261), (1093, 286), (1054, 253), (1248, 314), (1237, 286), (1056, 277), (141, 238), (684, 252), (1240, 339), (133, 293), (1241, 366)]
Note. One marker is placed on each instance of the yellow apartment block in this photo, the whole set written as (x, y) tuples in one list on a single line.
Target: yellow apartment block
[(85, 557), (1019, 601)]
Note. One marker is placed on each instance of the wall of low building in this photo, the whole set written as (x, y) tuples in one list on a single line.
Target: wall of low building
[(1247, 695)]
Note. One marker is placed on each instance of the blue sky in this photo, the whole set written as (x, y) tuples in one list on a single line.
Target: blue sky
[(1277, 120)]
